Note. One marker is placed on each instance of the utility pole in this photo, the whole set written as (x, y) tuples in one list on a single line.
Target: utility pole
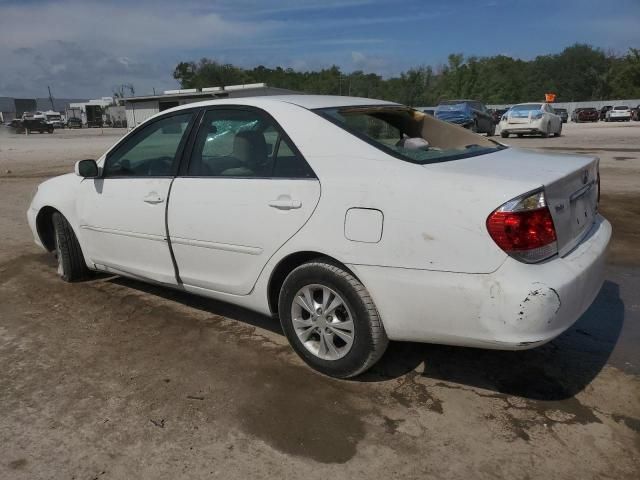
[(50, 97)]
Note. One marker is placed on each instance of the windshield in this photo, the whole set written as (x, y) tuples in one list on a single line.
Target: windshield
[(409, 134)]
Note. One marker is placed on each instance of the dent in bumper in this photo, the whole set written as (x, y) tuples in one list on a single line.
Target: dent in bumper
[(517, 307)]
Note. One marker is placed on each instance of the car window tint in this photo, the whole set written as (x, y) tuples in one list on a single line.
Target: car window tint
[(241, 143), (290, 165), (150, 152), (375, 128)]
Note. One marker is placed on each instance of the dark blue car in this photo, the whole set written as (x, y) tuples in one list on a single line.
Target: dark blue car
[(469, 114)]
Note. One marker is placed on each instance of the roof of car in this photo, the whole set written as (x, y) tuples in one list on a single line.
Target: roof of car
[(306, 101)]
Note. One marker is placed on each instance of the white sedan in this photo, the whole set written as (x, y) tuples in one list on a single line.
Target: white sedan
[(355, 221), (531, 118)]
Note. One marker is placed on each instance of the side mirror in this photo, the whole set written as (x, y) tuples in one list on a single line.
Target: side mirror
[(86, 168)]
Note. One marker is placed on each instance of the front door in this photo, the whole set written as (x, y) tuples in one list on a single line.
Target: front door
[(122, 215), (247, 190)]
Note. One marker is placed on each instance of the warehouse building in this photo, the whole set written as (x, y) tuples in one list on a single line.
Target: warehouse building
[(138, 109)]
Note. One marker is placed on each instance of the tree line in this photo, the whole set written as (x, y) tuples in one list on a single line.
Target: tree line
[(578, 73)]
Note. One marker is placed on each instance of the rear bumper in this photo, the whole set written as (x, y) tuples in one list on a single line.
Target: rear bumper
[(516, 307), (534, 126)]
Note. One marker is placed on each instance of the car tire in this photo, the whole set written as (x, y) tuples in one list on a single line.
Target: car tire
[(520, 135), (492, 130), (71, 264), (341, 343), (504, 134)]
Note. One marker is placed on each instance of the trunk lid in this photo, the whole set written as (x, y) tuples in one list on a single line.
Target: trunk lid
[(570, 183)]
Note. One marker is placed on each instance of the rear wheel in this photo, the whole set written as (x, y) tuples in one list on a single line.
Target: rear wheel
[(504, 134), (492, 130), (71, 265), (330, 319), (520, 135)]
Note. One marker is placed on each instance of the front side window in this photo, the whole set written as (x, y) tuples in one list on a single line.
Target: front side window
[(409, 134), (151, 151), (244, 143)]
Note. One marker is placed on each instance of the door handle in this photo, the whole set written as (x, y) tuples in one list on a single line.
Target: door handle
[(285, 204), (153, 198)]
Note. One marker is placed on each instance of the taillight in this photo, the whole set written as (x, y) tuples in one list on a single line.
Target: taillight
[(537, 116), (523, 228)]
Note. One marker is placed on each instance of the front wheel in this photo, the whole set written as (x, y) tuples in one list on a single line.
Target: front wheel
[(330, 320), (71, 264), (492, 130), (504, 134)]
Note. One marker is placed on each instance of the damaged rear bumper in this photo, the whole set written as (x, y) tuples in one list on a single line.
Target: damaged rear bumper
[(518, 306)]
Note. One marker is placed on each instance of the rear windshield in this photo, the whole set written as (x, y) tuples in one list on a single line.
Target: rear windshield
[(622, 107), (409, 134)]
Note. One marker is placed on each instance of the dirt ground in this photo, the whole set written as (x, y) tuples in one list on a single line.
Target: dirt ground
[(114, 379)]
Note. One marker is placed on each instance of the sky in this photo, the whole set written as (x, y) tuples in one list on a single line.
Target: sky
[(85, 48)]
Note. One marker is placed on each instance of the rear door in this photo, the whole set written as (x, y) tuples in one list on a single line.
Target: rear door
[(244, 192), (122, 214)]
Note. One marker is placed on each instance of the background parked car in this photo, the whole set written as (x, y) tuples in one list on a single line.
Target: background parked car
[(470, 114), (562, 113), (619, 113), (37, 125), (530, 118), (635, 114), (587, 114), (497, 114), (16, 123), (74, 122), (604, 110), (574, 114)]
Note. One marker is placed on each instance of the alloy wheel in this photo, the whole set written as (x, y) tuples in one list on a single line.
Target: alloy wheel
[(322, 322)]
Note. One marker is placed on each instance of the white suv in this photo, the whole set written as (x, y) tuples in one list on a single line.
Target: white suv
[(619, 113)]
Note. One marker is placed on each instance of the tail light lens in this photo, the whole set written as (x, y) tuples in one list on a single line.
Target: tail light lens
[(537, 116), (523, 228)]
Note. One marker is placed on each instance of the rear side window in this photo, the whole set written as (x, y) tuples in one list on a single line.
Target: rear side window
[(244, 143)]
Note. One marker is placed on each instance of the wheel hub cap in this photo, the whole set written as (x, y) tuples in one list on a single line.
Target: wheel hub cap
[(322, 322)]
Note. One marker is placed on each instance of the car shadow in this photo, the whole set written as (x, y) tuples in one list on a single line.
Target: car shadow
[(204, 304), (555, 371)]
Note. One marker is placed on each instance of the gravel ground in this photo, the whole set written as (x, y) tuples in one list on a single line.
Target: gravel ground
[(112, 378)]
